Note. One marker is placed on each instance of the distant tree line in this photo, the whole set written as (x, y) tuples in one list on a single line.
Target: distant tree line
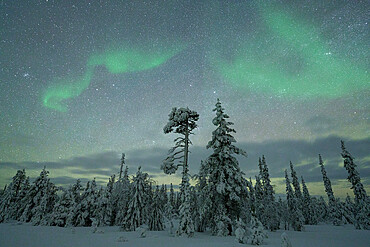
[(222, 200)]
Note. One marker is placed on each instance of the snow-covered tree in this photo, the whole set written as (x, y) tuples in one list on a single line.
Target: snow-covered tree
[(334, 211), (105, 204), (252, 197), (86, 209), (295, 213), (240, 232), (136, 212), (181, 121), (285, 242), (121, 197), (62, 209), (284, 213), (296, 186), (39, 200), (257, 230), (203, 201), (308, 209), (348, 209), (259, 197), (226, 187), (321, 208), (269, 218), (75, 191), (186, 224), (163, 195), (12, 196), (172, 201), (362, 201), (156, 212)]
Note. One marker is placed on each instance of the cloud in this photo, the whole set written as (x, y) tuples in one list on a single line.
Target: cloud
[(303, 154), (321, 124)]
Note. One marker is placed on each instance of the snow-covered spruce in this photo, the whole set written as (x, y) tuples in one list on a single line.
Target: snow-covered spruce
[(156, 213), (308, 209), (362, 201), (137, 210), (12, 195), (268, 215), (85, 211), (257, 232), (226, 186), (62, 208), (334, 211), (285, 242), (39, 200), (295, 214), (241, 234), (121, 197)]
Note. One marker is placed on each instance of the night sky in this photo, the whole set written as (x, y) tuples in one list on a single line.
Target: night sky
[(83, 81)]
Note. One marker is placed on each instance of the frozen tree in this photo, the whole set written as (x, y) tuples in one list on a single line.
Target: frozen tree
[(297, 188), (163, 195), (10, 201), (308, 209), (62, 209), (285, 242), (136, 212), (348, 210), (252, 198), (109, 214), (39, 200), (86, 209), (226, 187), (257, 230), (105, 204), (269, 218), (75, 192), (181, 121), (240, 232), (284, 213), (295, 214), (322, 209), (203, 202), (334, 211), (186, 224), (172, 201), (362, 201), (259, 197), (121, 167), (156, 213), (121, 197), (21, 205)]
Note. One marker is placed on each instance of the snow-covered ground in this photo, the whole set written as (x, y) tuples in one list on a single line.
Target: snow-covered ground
[(26, 235)]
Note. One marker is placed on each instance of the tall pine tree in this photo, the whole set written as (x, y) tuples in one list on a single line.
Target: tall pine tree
[(181, 121)]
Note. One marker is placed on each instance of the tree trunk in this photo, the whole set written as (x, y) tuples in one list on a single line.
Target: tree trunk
[(185, 165)]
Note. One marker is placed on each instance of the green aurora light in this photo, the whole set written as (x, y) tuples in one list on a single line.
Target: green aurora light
[(116, 61), (296, 62)]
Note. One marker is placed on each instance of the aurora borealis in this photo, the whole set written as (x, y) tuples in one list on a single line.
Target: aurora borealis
[(83, 81), (116, 61)]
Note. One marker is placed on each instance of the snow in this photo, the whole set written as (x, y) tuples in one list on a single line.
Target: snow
[(20, 235)]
